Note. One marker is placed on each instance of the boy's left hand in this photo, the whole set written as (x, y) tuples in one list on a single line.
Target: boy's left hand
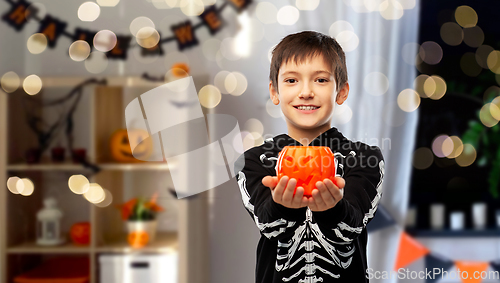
[(326, 194)]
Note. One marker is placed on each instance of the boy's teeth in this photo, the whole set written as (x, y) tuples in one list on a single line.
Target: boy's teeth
[(307, 107)]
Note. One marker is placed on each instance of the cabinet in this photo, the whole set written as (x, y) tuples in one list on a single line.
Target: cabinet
[(182, 229)]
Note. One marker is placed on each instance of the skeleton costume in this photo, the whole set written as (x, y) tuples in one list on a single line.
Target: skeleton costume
[(300, 245)]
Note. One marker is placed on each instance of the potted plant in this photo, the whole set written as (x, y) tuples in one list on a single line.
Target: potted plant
[(140, 216)]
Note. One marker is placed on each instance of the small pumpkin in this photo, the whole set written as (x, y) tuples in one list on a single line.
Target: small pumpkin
[(120, 145), (138, 239), (80, 233), (180, 70), (306, 164)]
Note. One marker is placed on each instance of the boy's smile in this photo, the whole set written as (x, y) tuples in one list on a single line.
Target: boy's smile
[(307, 93)]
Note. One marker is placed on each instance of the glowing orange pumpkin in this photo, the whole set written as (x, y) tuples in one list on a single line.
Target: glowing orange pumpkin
[(120, 145), (306, 164), (80, 233), (138, 239)]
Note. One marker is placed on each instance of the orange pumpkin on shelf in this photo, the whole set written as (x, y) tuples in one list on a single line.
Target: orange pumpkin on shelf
[(306, 164), (120, 145), (80, 233), (138, 239)]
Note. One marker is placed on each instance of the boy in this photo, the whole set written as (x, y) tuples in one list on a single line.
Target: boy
[(321, 238)]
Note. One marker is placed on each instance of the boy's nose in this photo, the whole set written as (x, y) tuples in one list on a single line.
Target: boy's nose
[(306, 93)]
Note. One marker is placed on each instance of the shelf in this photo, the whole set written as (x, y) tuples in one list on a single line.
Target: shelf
[(33, 248), (163, 166), (165, 242), (454, 233)]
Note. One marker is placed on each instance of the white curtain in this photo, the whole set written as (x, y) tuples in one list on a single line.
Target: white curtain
[(378, 71)]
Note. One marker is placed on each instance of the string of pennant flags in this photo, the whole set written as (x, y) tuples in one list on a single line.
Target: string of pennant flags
[(183, 32), (410, 250)]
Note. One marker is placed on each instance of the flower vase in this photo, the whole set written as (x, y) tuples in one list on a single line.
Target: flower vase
[(148, 226)]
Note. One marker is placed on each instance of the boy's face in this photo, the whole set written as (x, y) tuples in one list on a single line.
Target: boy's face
[(310, 84)]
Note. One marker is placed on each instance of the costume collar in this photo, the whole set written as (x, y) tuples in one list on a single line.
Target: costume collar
[(330, 138)]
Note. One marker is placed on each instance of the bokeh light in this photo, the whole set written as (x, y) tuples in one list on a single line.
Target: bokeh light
[(422, 158), (192, 8), (288, 15), (408, 4), (408, 100), (10, 82), (25, 187), (419, 84), (431, 52), (373, 5), (391, 10), (147, 37), (236, 83), (32, 84), (448, 147), (105, 40), (493, 61), (253, 125), (307, 5), (495, 107), (338, 27), (469, 65), (467, 157), (266, 12), (78, 184), (482, 53), (491, 93), (452, 34), (220, 81), (435, 87), (437, 145), (473, 36), (458, 147), (12, 184), (376, 83), (466, 16), (108, 3), (209, 96), (108, 199), (342, 114), (89, 12), (96, 63), (140, 22), (487, 116), (79, 50), (410, 52), (348, 40), (94, 193), (37, 43)]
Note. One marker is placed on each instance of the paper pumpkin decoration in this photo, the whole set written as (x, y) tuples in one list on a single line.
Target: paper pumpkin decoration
[(80, 233), (138, 239), (180, 70), (120, 145), (306, 164)]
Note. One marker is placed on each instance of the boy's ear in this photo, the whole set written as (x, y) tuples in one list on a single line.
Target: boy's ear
[(342, 94), (273, 94)]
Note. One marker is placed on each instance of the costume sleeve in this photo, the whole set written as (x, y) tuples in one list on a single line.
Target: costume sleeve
[(362, 192), (274, 220)]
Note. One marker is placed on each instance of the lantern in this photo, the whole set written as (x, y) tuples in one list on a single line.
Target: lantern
[(49, 224), (306, 164)]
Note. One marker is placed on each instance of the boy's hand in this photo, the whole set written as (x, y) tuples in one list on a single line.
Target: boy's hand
[(326, 194), (282, 191)]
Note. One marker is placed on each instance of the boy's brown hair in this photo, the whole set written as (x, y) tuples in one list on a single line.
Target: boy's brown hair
[(307, 44)]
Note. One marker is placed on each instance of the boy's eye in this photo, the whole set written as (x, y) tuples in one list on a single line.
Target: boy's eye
[(322, 80), (290, 80)]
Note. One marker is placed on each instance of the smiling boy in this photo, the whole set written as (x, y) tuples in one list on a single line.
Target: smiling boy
[(321, 238)]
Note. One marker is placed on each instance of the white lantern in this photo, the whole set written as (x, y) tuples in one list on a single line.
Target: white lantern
[(49, 224)]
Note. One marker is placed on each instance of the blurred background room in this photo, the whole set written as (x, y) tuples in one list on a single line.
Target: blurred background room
[(77, 205)]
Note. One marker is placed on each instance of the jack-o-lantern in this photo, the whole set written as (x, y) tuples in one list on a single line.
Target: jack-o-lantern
[(80, 233), (120, 145), (138, 239), (306, 164), (180, 70)]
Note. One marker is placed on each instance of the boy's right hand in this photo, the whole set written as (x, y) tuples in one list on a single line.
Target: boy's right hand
[(282, 191)]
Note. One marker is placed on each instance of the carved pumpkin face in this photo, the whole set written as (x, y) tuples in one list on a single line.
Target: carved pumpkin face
[(120, 145), (80, 233), (306, 164), (138, 239)]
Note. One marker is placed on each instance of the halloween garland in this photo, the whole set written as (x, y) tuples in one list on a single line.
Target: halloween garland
[(183, 32)]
